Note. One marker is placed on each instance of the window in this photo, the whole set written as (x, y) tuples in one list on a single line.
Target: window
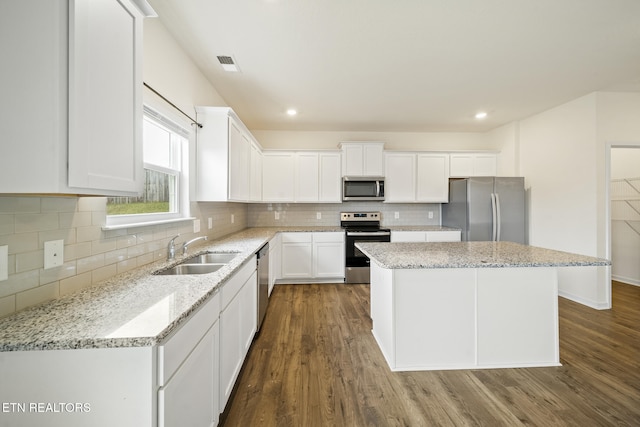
[(165, 192)]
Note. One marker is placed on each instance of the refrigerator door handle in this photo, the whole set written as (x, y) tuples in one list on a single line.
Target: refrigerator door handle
[(494, 218), (498, 219)]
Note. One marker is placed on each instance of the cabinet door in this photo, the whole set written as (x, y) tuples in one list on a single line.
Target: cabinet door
[(190, 397), (248, 319), (278, 175), (373, 159), (256, 173), (105, 96), (239, 159), (353, 164), (330, 178), (328, 259), (307, 175), (297, 255), (400, 182), (231, 348), (432, 183), (485, 165)]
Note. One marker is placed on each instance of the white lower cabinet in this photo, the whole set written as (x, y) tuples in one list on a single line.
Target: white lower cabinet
[(426, 236), (297, 255), (312, 256), (188, 374), (237, 326), (191, 396)]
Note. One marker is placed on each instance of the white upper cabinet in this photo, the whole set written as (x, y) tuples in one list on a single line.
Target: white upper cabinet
[(278, 176), (473, 164), (330, 180), (362, 158), (75, 84), (416, 177), (432, 178), (301, 176), (400, 181), (307, 177), (225, 150)]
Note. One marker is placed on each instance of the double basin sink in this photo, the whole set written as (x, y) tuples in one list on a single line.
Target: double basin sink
[(207, 262)]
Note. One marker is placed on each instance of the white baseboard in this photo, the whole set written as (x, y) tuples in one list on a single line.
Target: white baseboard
[(583, 301), (627, 280)]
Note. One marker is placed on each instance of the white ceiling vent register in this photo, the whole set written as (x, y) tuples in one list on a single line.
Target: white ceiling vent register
[(228, 64)]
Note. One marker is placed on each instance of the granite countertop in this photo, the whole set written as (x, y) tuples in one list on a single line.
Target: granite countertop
[(470, 255), (133, 309)]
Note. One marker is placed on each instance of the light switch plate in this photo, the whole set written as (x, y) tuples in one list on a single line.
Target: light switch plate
[(318, 215), (53, 254), (196, 225), (4, 262), (210, 223)]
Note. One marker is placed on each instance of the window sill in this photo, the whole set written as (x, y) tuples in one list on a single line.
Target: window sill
[(145, 224)]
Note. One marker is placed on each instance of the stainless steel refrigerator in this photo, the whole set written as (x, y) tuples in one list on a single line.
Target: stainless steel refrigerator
[(487, 208)]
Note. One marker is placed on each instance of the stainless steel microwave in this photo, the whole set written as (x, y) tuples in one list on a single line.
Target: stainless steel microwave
[(362, 188)]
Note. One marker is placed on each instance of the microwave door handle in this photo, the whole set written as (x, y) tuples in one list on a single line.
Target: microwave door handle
[(377, 188)]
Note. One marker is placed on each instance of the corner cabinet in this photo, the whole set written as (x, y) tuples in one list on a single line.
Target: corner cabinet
[(224, 151), (75, 84), (416, 177)]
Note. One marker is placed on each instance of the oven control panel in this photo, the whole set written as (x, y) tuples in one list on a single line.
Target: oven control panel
[(360, 216)]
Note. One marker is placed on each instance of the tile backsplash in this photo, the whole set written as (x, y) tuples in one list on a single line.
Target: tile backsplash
[(91, 254), (264, 214)]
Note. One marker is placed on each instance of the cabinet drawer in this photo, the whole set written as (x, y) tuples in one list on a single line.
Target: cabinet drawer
[(334, 237), (179, 345), (297, 237), (235, 283)]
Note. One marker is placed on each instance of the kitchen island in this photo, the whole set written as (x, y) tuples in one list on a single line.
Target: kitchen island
[(467, 305)]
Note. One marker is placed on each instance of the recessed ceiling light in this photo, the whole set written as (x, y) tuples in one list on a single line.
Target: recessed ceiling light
[(291, 112), (481, 115)]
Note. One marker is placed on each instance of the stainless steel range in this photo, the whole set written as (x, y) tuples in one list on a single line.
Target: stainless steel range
[(360, 227)]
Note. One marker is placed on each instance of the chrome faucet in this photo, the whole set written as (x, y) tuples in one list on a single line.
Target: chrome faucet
[(186, 244), (171, 249)]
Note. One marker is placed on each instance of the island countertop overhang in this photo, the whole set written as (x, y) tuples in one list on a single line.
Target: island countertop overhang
[(420, 255)]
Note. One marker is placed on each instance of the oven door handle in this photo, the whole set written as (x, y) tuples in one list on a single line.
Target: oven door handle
[(365, 233)]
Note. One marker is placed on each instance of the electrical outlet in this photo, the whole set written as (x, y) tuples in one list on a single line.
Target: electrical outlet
[(430, 214), (318, 215), (396, 215), (53, 254), (196, 225), (4, 262), (276, 215), (210, 223), (233, 218)]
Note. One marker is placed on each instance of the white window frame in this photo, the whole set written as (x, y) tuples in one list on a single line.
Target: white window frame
[(182, 128)]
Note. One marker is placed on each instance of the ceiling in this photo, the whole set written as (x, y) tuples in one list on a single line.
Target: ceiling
[(408, 65)]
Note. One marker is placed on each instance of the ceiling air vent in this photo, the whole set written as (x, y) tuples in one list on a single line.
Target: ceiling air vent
[(228, 64)]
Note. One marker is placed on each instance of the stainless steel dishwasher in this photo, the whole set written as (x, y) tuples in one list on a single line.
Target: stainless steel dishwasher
[(263, 283)]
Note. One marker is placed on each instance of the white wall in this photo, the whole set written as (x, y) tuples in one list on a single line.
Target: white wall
[(436, 141), (619, 126), (559, 159)]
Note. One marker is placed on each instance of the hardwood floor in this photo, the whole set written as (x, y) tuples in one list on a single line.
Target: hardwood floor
[(316, 363)]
